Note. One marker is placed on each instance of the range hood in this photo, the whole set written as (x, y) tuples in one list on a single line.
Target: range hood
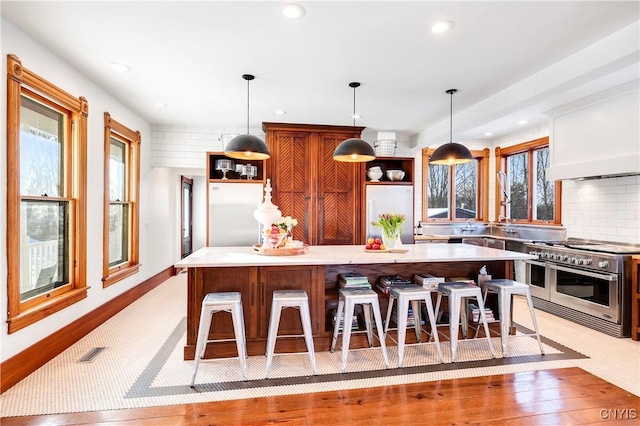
[(597, 136), (598, 169)]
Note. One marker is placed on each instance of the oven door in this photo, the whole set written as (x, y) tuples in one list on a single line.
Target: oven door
[(536, 277), (589, 292)]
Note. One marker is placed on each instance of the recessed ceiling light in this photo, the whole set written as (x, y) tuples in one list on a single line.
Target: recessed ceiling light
[(523, 122), (292, 11), (120, 67), (488, 134), (160, 105), (356, 116), (279, 112), (442, 27)]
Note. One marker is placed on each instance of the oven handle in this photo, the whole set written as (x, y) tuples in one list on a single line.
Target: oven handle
[(606, 277)]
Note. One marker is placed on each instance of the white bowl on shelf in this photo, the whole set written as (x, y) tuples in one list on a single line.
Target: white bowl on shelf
[(374, 175), (395, 175)]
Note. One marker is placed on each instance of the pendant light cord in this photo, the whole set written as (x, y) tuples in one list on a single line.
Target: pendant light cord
[(354, 85), (248, 80), (354, 109), (451, 92), (451, 119), (248, 77)]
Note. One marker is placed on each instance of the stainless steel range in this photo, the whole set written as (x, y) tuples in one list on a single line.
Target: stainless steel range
[(587, 282)]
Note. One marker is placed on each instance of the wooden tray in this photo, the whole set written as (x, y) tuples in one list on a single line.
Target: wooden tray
[(376, 251), (399, 250), (283, 251)]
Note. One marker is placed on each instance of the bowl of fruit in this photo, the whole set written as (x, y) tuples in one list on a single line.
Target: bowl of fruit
[(375, 245)]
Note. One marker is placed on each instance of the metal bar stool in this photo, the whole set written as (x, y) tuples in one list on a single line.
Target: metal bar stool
[(290, 299), (221, 302), (456, 292), (505, 290), (416, 295), (346, 304)]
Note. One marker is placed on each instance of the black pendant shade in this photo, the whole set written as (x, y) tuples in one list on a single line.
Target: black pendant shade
[(451, 152), (247, 146), (354, 150)]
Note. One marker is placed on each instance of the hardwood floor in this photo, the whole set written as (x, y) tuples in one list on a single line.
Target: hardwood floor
[(568, 396)]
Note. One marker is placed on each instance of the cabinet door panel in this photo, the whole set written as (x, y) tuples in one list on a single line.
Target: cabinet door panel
[(338, 195), (290, 180)]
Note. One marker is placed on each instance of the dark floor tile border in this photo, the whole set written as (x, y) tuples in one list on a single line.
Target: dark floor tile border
[(142, 386)]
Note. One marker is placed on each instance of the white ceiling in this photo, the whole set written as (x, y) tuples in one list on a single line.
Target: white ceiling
[(191, 55)]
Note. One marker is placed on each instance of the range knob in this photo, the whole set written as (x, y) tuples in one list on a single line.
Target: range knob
[(585, 261), (603, 263), (572, 260), (563, 257), (577, 261)]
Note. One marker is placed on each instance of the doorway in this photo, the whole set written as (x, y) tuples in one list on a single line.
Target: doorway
[(186, 217)]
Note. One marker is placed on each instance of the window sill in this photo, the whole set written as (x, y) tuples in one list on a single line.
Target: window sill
[(119, 275), (43, 310)]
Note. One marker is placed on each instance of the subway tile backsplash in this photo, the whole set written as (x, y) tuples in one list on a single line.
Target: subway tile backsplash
[(185, 146), (602, 209)]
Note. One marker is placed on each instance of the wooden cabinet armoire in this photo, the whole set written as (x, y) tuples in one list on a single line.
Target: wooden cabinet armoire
[(309, 185)]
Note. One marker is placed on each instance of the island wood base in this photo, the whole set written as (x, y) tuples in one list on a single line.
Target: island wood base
[(257, 283)]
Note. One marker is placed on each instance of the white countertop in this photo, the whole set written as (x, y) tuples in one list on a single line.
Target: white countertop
[(347, 254)]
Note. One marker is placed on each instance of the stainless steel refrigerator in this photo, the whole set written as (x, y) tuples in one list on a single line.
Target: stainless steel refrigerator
[(231, 207), (390, 199)]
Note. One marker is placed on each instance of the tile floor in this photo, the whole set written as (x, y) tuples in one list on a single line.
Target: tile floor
[(142, 364)]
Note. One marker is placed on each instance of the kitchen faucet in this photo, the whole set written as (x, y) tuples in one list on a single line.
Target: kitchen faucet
[(507, 229), (468, 226)]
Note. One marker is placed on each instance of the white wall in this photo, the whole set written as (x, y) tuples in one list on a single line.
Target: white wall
[(156, 193)]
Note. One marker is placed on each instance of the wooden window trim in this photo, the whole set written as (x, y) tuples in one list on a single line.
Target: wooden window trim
[(19, 79), (132, 140), (483, 186), (501, 165)]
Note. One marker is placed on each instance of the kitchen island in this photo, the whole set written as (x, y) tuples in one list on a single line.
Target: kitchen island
[(255, 276)]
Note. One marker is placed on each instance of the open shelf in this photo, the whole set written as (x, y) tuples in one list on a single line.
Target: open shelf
[(214, 175), (391, 163)]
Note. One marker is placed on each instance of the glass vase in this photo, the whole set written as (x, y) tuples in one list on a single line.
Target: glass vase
[(391, 240)]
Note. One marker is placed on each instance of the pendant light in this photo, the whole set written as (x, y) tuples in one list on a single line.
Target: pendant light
[(451, 153), (354, 150), (247, 147)]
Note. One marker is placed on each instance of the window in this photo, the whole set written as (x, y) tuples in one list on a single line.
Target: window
[(121, 177), (524, 193), (46, 197), (457, 192)]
